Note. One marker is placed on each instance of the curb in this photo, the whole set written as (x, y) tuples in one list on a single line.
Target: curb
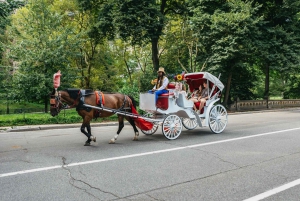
[(53, 126)]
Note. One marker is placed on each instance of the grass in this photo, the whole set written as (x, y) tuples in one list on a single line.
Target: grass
[(23, 117)]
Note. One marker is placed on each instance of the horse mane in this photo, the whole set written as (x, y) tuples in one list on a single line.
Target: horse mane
[(133, 101), (73, 92)]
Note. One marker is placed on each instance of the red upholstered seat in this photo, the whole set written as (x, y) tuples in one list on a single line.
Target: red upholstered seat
[(197, 106), (163, 101), (171, 86)]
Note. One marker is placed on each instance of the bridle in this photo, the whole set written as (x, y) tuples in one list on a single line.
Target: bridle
[(56, 103)]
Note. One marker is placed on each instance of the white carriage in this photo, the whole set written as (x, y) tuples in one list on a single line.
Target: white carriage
[(173, 110)]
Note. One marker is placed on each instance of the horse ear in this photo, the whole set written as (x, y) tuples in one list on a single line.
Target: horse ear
[(51, 93)]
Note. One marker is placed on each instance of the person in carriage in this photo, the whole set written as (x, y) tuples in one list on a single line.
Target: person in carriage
[(204, 95), (161, 85), (196, 95)]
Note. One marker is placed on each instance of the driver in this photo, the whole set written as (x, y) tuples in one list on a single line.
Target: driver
[(161, 85)]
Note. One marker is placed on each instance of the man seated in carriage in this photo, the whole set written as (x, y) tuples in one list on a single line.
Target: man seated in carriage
[(204, 95), (161, 85)]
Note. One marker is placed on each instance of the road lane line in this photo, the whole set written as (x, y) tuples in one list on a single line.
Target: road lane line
[(141, 154), (274, 191)]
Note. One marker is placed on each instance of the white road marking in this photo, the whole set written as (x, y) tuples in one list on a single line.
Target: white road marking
[(141, 154), (274, 191)]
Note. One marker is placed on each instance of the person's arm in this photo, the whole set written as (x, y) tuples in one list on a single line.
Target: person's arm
[(165, 84)]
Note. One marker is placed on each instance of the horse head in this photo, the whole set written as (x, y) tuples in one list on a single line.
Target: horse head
[(55, 103)]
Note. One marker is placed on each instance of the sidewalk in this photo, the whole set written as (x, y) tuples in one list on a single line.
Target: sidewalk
[(62, 126)]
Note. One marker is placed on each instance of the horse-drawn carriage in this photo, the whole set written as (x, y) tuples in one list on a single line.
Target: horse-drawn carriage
[(172, 110)]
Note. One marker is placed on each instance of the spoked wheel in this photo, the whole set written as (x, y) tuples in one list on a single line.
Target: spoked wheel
[(154, 128), (217, 118), (172, 127), (189, 124)]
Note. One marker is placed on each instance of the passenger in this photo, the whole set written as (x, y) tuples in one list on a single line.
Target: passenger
[(196, 95), (180, 89), (162, 82), (204, 95)]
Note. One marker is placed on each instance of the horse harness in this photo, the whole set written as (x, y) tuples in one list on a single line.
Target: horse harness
[(55, 100)]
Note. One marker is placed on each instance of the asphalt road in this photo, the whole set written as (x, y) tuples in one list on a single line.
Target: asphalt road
[(256, 157)]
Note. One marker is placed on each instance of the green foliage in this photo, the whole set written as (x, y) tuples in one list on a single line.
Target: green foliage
[(41, 46), (225, 36), (131, 90), (145, 81), (6, 8), (293, 88)]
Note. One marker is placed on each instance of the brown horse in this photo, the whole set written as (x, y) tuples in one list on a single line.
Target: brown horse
[(112, 103)]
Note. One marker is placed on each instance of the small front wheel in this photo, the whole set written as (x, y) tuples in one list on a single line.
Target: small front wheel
[(189, 124), (217, 118), (172, 127), (154, 128)]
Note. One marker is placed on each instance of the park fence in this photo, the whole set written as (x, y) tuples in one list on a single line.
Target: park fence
[(21, 110), (246, 105)]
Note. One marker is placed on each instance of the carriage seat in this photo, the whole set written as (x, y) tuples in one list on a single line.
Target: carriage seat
[(198, 105), (162, 101), (171, 88), (183, 102)]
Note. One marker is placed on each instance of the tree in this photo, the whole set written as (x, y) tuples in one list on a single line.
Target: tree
[(225, 30), (137, 21), (278, 42), (41, 46)]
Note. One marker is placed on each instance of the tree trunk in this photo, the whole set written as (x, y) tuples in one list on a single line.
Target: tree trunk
[(155, 59), (225, 102), (267, 84), (267, 81), (46, 104)]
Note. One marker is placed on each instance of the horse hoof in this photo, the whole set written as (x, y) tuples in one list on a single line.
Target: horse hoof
[(135, 139), (93, 138), (87, 144), (112, 141)]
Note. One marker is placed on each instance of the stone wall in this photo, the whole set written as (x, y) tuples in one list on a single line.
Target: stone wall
[(241, 105)]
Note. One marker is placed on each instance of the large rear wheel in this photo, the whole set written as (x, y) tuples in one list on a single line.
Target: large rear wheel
[(217, 118), (172, 127)]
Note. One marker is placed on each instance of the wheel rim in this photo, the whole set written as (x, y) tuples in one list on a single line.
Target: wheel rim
[(172, 127), (154, 128), (189, 124), (217, 119), (152, 131)]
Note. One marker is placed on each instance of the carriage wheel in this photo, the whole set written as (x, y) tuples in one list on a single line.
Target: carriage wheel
[(152, 131), (217, 118), (154, 128), (171, 127), (189, 124)]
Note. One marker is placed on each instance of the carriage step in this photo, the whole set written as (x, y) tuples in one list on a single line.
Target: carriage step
[(198, 119)]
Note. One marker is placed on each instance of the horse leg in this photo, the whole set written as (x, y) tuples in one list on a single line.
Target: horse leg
[(136, 132), (121, 125), (87, 132)]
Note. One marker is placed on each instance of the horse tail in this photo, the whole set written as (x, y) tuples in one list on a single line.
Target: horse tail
[(133, 101)]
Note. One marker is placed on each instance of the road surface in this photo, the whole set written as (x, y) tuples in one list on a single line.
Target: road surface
[(257, 157)]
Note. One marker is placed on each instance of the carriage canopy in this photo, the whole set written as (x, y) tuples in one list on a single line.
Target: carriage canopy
[(195, 79)]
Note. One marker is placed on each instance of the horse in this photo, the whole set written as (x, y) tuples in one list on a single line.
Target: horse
[(76, 98)]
